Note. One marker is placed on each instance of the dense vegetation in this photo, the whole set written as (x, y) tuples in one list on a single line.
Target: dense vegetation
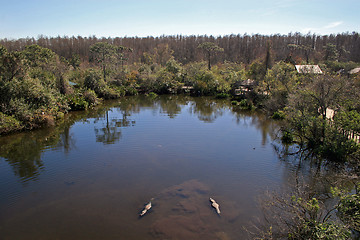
[(43, 79), (237, 48)]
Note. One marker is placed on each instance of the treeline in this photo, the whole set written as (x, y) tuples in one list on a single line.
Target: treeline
[(237, 48)]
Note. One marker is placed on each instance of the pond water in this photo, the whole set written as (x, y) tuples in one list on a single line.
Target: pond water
[(91, 176)]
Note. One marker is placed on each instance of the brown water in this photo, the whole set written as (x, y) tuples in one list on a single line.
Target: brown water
[(90, 177)]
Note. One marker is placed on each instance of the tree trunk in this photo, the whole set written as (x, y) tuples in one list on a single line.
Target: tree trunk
[(209, 58), (104, 71)]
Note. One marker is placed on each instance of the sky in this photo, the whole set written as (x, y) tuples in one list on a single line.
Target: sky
[(142, 18)]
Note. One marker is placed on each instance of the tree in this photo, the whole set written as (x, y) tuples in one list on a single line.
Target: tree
[(74, 61), (210, 49), (163, 54), (37, 56), (305, 49), (268, 57), (331, 53), (121, 54), (11, 65), (103, 53), (309, 121)]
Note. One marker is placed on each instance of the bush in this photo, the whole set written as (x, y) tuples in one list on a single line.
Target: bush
[(77, 102), (245, 104), (152, 95), (298, 214), (110, 93), (278, 115), (90, 97), (222, 95), (9, 124), (94, 81), (19, 109), (130, 91), (349, 210), (287, 137)]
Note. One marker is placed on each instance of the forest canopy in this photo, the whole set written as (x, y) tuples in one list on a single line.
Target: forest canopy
[(237, 48)]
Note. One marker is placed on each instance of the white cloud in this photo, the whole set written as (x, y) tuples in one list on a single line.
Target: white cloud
[(323, 29), (333, 24)]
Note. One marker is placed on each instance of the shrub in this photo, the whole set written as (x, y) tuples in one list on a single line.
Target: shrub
[(287, 137), (90, 97), (77, 102), (349, 209), (19, 109), (152, 95), (278, 115), (94, 81), (298, 214), (130, 91), (222, 95), (110, 93), (9, 124), (245, 104)]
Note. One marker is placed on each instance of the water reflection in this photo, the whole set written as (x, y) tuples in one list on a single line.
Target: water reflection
[(24, 155), (106, 162), (109, 131), (24, 151), (207, 109), (172, 105), (267, 127), (318, 175), (66, 141)]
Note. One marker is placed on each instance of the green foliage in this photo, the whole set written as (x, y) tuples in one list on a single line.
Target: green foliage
[(77, 102), (244, 104), (287, 137), (308, 120), (90, 97), (328, 231), (278, 115), (210, 49), (222, 95), (152, 95), (103, 53), (276, 86), (312, 227), (335, 66), (29, 88), (256, 70), (348, 206), (9, 124), (349, 210), (165, 82), (336, 146), (300, 215), (173, 66), (74, 61), (331, 53), (206, 83), (11, 65), (348, 120), (94, 81), (36, 56)]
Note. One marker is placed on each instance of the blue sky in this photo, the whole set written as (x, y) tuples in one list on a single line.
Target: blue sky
[(110, 18)]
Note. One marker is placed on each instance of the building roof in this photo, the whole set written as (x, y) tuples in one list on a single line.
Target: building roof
[(247, 82), (72, 83), (355, 70), (308, 69)]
